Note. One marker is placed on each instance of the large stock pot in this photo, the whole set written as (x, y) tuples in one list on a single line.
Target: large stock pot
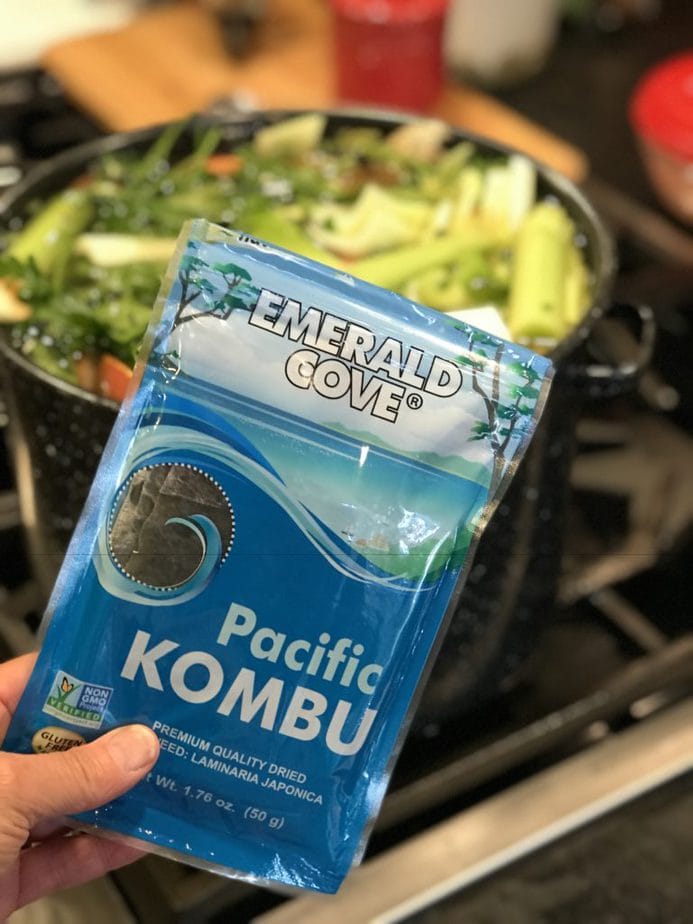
[(57, 433)]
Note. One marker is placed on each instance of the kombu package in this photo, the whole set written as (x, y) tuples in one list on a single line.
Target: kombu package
[(277, 530)]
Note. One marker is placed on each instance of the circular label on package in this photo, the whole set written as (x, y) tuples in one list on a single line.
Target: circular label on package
[(171, 522), (53, 738)]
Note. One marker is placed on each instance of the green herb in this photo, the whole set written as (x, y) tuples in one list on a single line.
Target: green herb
[(442, 223)]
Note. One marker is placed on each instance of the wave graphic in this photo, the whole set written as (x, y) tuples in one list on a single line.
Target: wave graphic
[(120, 583), (156, 444), (208, 536)]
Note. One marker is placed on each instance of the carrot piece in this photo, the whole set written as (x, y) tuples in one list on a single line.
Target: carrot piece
[(87, 372), (83, 181), (114, 377), (223, 164)]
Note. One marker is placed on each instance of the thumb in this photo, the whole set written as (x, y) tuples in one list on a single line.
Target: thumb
[(83, 778)]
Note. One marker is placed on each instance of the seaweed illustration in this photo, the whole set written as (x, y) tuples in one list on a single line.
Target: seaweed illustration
[(508, 416), (214, 290)]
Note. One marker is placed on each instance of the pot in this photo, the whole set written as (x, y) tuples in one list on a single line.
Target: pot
[(57, 433)]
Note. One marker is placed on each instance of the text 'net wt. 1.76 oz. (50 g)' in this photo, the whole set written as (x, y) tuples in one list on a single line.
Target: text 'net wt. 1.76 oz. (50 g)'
[(278, 529)]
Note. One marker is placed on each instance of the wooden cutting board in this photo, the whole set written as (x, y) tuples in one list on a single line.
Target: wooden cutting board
[(170, 62)]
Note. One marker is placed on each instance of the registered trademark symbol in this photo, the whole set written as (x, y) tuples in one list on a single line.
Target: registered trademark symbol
[(414, 400)]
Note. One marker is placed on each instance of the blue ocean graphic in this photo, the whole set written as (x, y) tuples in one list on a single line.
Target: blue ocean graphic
[(374, 515)]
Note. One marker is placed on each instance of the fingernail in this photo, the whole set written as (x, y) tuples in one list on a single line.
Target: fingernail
[(133, 747)]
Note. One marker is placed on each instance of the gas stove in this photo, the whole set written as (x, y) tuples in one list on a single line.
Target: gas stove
[(518, 811)]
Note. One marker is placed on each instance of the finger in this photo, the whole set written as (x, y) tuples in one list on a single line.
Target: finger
[(63, 783), (14, 675), (46, 829), (68, 862)]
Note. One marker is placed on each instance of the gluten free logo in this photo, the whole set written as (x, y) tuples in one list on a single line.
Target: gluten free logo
[(77, 701)]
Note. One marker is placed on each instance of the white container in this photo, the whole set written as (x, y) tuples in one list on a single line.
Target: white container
[(496, 42)]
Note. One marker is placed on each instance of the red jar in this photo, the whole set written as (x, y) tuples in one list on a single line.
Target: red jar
[(389, 52), (661, 114)]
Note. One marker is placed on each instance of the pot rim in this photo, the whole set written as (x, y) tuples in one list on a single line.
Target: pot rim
[(604, 257)]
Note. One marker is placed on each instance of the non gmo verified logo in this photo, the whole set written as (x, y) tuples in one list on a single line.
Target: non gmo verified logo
[(77, 701)]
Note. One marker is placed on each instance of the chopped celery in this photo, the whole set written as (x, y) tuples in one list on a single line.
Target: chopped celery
[(419, 140), (469, 188), (440, 219), (393, 268), (438, 288), (523, 189), (483, 279), (275, 228), (357, 140), (118, 249), (576, 297), (376, 221), (508, 193), (48, 238), (469, 281), (291, 136), (451, 161), (537, 291), (495, 195)]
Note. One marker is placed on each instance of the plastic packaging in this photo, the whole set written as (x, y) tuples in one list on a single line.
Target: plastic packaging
[(275, 534)]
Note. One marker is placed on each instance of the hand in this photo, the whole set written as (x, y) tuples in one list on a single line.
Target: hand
[(37, 790)]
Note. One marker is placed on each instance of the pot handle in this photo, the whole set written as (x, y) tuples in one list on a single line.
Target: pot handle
[(622, 355)]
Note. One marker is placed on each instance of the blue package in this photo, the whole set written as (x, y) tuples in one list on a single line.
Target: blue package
[(279, 525)]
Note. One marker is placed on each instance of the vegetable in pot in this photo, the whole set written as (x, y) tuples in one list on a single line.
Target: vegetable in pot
[(441, 224)]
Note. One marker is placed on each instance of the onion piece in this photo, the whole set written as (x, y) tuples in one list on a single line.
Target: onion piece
[(12, 308)]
